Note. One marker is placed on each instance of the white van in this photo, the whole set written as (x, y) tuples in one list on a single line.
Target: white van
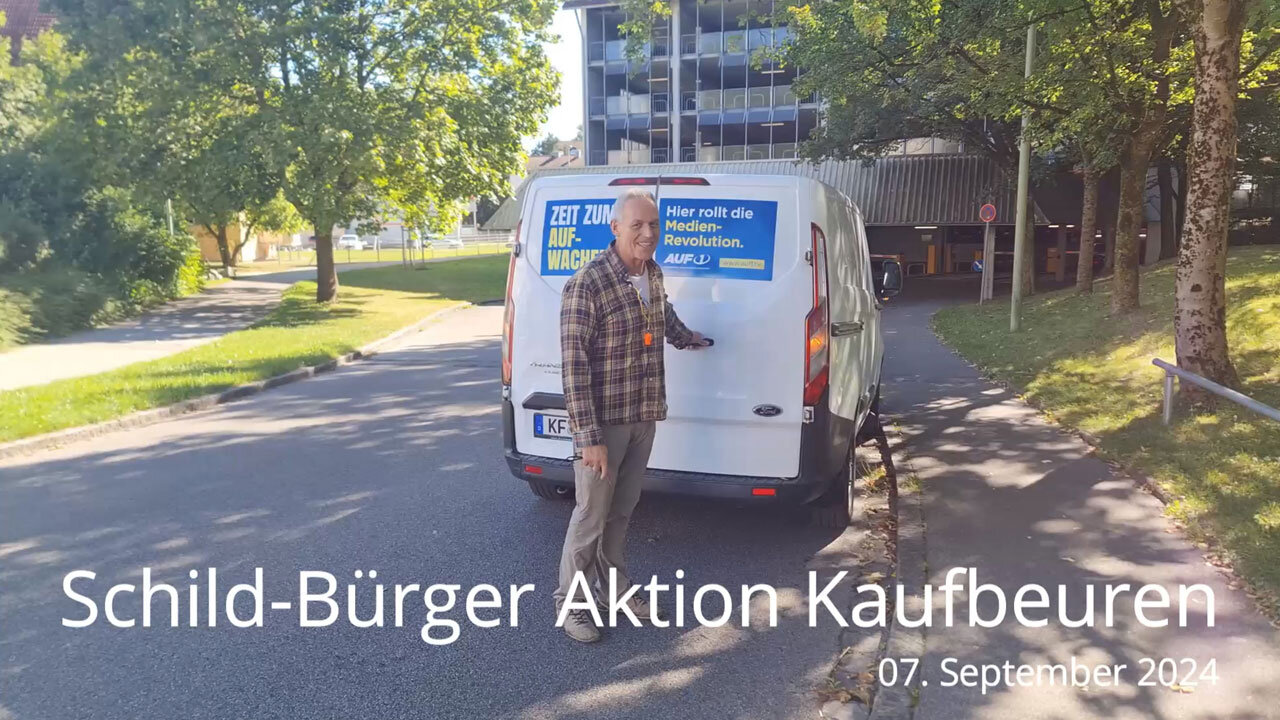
[(776, 270)]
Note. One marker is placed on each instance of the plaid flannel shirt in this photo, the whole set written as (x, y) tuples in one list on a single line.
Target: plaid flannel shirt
[(610, 376)]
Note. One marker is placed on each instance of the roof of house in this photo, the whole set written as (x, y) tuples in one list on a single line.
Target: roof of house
[(539, 163), (938, 189), (24, 19)]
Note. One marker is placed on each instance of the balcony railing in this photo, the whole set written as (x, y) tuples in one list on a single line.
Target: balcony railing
[(756, 151), (737, 98), (659, 46), (629, 104), (637, 157), (733, 41)]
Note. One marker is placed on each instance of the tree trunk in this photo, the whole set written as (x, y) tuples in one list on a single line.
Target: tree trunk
[(246, 233), (1133, 168), (1088, 223), (326, 271), (1133, 184), (224, 247), (1168, 231), (1200, 315)]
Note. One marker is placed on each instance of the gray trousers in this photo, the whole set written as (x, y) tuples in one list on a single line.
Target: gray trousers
[(597, 535)]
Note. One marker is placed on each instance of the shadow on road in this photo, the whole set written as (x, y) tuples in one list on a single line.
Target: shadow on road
[(395, 465)]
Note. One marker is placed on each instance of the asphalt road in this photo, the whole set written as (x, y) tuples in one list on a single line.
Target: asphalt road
[(391, 465)]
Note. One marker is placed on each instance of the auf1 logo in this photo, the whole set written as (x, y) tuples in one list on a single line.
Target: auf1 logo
[(687, 259)]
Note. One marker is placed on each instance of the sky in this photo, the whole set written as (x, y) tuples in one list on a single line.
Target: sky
[(566, 57)]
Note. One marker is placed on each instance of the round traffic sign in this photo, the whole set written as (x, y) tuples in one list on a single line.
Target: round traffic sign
[(987, 213)]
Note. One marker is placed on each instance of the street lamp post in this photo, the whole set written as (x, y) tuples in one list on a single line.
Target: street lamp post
[(1024, 177)]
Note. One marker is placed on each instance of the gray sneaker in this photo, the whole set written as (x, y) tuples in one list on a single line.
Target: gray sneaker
[(579, 625), (639, 605)]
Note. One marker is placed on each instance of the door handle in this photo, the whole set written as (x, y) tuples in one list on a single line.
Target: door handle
[(848, 327)]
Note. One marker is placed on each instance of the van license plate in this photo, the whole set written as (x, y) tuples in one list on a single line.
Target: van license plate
[(551, 426)]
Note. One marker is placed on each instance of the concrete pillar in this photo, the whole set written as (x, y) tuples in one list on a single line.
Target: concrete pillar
[(1152, 239), (581, 16), (1061, 272), (673, 104)]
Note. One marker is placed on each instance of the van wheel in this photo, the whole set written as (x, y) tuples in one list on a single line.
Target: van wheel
[(550, 491), (834, 509)]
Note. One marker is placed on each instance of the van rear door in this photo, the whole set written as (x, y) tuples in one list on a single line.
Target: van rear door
[(733, 255), (564, 223), (735, 270)]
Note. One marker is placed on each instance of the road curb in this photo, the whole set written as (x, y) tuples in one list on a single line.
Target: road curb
[(58, 438), (898, 702)]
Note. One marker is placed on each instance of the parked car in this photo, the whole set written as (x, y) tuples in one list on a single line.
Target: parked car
[(777, 270), (444, 242), (350, 242)]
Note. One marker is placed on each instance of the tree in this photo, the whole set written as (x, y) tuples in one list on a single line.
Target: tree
[(365, 104), (545, 146), (1200, 315)]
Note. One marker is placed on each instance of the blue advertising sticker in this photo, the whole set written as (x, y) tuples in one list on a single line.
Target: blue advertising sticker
[(574, 231), (718, 238), (699, 237)]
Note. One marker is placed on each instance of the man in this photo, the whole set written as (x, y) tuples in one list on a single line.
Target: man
[(613, 319)]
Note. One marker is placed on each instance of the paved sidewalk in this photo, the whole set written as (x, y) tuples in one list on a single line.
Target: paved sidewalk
[(172, 328), (1024, 502)]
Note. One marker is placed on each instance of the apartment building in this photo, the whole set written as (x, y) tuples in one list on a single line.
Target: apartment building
[(708, 89)]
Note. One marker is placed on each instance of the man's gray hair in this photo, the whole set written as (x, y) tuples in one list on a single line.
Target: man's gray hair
[(627, 196)]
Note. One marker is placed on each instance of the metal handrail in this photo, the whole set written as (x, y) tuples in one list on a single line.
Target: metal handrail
[(1171, 371)]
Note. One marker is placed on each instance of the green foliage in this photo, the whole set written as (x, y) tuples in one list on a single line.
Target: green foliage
[(545, 146), (116, 239), (277, 215), (351, 108), (52, 301)]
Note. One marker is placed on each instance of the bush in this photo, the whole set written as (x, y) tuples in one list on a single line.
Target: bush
[(22, 241), (15, 318), (114, 238), (52, 301)]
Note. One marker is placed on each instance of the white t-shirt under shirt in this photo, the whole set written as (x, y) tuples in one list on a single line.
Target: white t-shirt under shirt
[(641, 284)]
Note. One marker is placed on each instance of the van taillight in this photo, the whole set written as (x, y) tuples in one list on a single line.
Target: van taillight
[(817, 339), (509, 312)]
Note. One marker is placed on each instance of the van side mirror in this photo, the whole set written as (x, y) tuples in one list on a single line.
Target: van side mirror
[(888, 280)]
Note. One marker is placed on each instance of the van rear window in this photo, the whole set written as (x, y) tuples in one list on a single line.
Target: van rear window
[(701, 237)]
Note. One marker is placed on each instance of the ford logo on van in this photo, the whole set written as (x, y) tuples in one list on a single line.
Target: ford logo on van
[(687, 259), (767, 410)]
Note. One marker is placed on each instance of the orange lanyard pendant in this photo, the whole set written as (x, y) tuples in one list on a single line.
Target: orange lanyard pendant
[(648, 338)]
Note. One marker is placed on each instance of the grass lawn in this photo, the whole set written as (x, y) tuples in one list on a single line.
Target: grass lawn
[(307, 258), (1094, 373), (371, 303)]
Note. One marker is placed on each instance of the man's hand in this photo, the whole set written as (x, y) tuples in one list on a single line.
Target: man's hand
[(596, 457), (698, 342)]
